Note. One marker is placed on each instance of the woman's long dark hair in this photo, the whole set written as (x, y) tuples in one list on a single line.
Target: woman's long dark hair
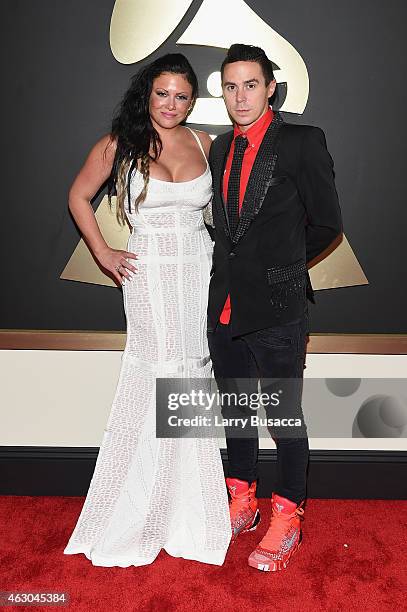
[(134, 132)]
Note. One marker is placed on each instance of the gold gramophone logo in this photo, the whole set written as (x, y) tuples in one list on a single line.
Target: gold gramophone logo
[(216, 24), (137, 30)]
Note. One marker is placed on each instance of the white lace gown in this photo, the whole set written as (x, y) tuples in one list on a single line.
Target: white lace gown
[(146, 493)]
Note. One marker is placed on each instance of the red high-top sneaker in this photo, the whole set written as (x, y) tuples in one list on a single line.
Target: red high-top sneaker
[(282, 538), (244, 514)]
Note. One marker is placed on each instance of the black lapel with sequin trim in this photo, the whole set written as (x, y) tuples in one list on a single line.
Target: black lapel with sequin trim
[(260, 177), (219, 162)]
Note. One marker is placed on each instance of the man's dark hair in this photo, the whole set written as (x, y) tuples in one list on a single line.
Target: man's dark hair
[(249, 53)]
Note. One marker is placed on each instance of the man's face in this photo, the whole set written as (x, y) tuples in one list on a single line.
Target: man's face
[(245, 92)]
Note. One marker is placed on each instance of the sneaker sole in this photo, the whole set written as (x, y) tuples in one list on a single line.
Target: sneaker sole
[(274, 566)]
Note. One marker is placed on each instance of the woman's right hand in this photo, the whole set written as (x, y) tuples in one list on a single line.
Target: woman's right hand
[(116, 262)]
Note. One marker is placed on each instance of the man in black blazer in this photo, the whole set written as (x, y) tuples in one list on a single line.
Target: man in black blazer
[(275, 209)]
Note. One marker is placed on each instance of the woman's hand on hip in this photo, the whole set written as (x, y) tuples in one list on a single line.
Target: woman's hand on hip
[(116, 261)]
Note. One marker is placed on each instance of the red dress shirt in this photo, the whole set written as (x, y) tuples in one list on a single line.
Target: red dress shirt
[(255, 135)]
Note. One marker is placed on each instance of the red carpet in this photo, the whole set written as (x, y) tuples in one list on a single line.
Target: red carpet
[(368, 575)]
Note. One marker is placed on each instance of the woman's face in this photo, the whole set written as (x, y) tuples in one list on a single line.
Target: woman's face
[(170, 100)]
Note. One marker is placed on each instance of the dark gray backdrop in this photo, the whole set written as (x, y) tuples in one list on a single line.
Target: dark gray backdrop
[(61, 84)]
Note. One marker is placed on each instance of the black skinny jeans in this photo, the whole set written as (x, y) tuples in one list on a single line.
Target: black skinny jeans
[(275, 352)]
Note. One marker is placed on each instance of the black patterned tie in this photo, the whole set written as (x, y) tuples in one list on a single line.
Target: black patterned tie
[(241, 143)]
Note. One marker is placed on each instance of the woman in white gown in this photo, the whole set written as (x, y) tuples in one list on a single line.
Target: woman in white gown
[(146, 493)]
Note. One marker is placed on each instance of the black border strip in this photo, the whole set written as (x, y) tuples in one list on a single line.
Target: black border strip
[(332, 474)]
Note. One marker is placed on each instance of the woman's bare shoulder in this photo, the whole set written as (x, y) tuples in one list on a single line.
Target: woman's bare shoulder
[(97, 166), (101, 155), (106, 146), (205, 139)]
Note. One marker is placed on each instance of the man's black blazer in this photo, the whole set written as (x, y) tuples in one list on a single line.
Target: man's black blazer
[(290, 215)]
